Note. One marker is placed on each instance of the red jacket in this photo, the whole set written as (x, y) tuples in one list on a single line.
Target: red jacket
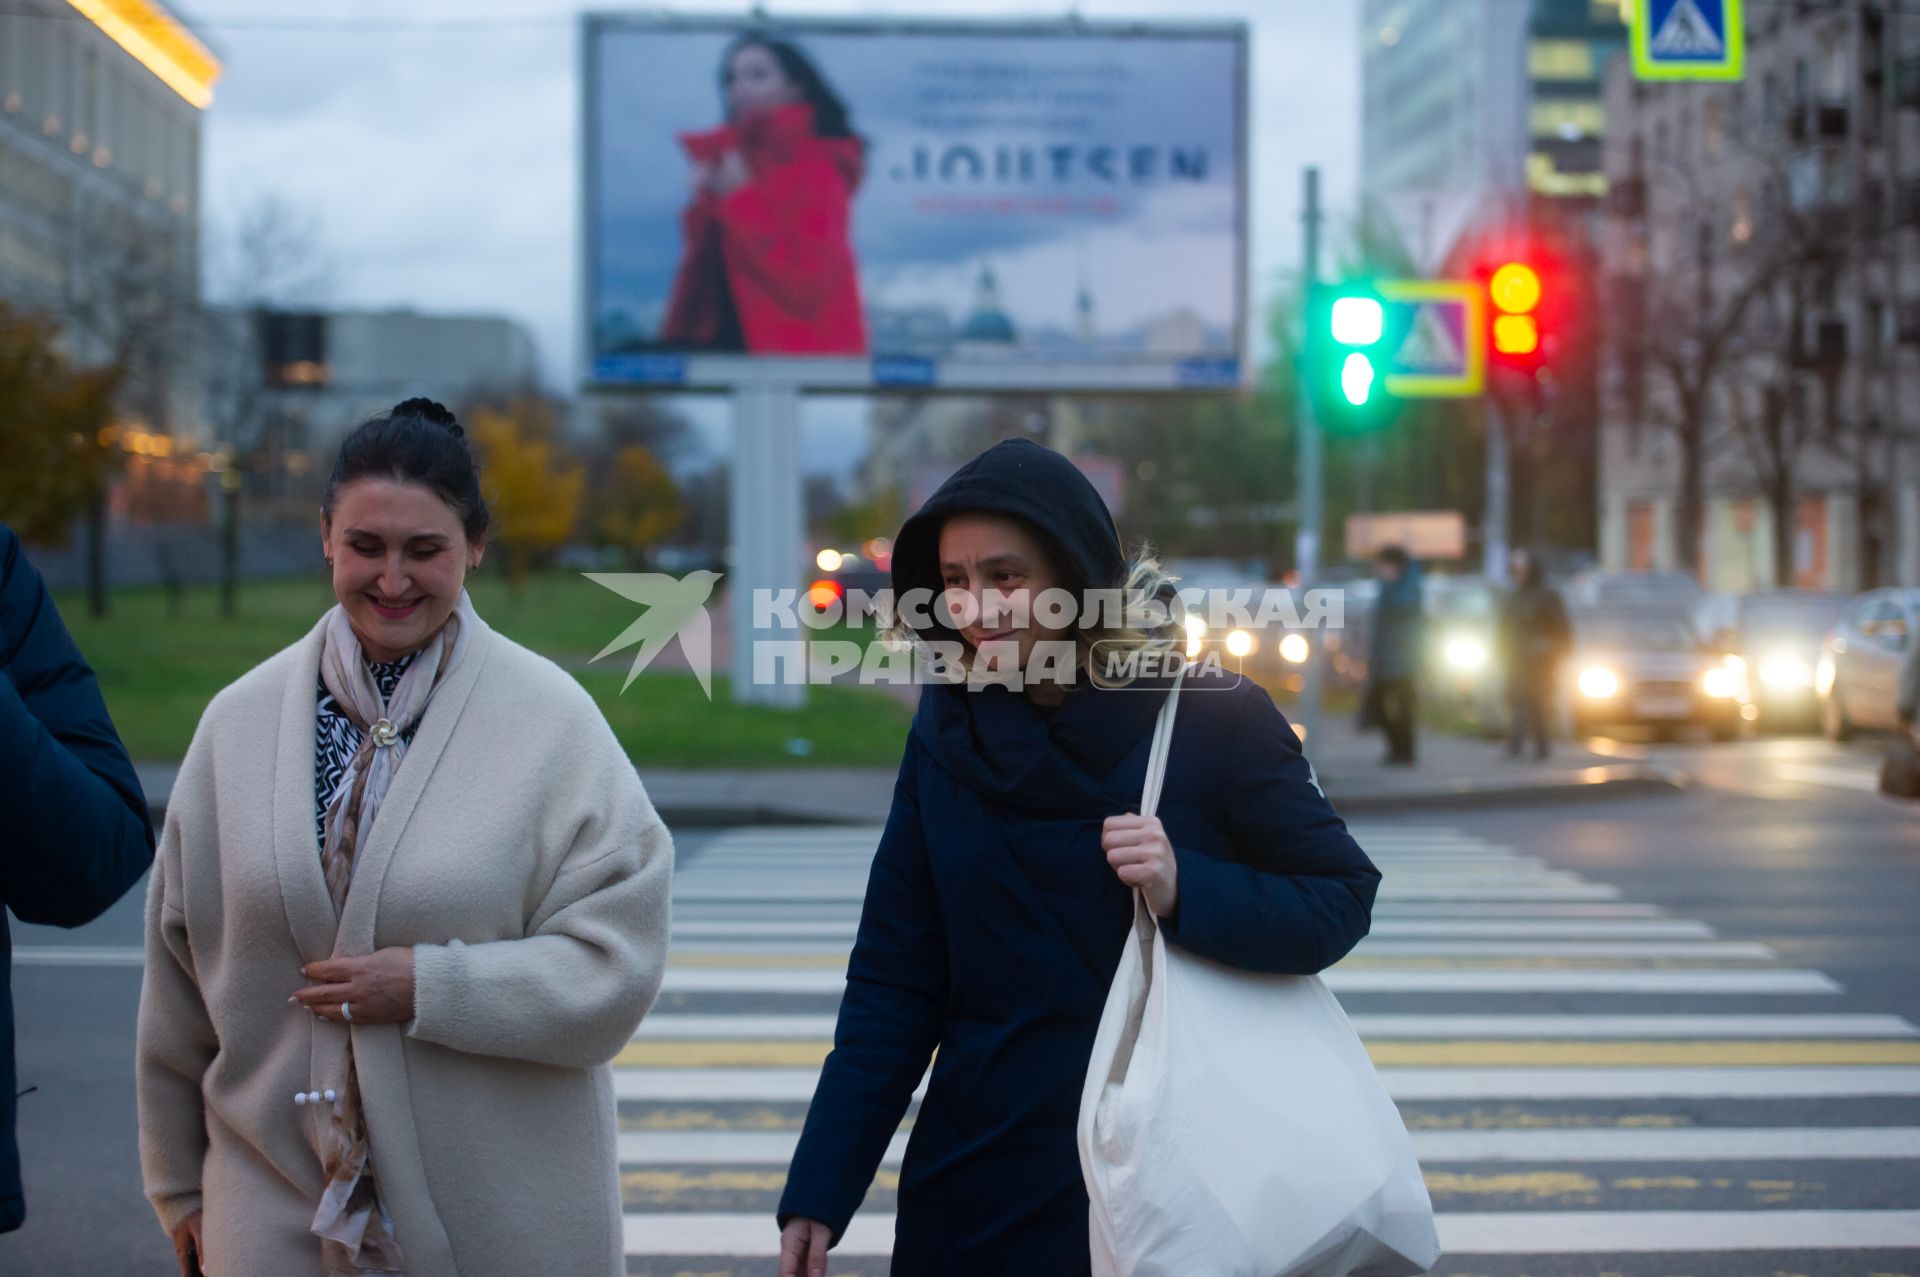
[(777, 249)]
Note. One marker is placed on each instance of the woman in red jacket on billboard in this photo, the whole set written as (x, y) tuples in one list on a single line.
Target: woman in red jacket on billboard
[(766, 260)]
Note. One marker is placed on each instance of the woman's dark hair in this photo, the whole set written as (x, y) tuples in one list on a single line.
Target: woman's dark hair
[(417, 441), (829, 111)]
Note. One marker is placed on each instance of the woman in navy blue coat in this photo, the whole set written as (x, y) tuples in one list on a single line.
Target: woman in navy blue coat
[(1000, 896)]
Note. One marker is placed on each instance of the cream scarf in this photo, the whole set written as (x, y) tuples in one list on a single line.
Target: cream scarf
[(355, 1230)]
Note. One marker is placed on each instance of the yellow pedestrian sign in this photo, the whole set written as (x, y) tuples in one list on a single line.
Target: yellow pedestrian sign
[(1689, 39), (1434, 336)]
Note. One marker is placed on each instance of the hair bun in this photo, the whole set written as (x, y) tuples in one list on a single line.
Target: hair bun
[(430, 410)]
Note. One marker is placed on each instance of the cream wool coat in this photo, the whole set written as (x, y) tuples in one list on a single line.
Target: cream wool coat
[(518, 854)]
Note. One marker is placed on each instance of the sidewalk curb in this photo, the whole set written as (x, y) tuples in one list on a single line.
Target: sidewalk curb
[(1636, 780), (1631, 780)]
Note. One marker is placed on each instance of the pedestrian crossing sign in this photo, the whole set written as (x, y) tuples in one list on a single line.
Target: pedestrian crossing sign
[(1689, 39), (1434, 338)]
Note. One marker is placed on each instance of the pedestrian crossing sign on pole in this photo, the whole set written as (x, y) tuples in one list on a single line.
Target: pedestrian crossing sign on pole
[(1689, 39), (1434, 337)]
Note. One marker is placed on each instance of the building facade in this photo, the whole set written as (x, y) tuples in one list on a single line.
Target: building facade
[(293, 384), (1762, 250), (100, 118), (1444, 96)]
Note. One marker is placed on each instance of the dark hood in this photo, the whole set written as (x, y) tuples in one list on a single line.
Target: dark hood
[(1037, 485), (992, 738)]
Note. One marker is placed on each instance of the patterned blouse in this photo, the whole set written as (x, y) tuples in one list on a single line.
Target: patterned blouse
[(337, 738)]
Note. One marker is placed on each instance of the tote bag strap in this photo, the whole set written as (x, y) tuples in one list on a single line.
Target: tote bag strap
[(1157, 752)]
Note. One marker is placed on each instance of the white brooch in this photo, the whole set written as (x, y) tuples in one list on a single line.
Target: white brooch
[(384, 733)]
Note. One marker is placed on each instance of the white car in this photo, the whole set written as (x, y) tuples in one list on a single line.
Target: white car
[(1858, 677)]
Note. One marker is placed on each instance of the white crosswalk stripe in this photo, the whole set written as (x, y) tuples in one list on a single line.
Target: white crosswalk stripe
[(1546, 1037)]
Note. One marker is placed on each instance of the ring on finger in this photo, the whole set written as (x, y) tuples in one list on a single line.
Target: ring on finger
[(346, 1012)]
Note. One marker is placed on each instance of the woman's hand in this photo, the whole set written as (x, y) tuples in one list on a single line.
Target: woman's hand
[(379, 987), (803, 1248), (1139, 852), (186, 1245), (729, 175), (700, 178)]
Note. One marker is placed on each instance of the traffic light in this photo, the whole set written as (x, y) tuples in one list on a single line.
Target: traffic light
[(1345, 326), (1515, 291)]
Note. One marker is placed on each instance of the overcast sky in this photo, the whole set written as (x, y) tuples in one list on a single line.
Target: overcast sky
[(435, 144)]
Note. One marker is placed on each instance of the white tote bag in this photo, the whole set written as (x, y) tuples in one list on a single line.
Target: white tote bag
[(1232, 1124)]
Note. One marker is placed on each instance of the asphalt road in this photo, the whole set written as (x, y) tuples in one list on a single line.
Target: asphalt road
[(1684, 1022)]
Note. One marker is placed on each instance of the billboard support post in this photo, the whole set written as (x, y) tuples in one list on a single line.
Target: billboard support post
[(1306, 537), (766, 529)]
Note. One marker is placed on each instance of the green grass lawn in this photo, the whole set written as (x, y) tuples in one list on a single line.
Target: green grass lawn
[(158, 670)]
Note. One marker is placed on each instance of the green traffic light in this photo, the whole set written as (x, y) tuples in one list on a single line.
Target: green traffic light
[(1357, 321), (1356, 379)]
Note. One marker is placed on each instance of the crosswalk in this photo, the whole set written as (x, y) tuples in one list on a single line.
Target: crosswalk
[(1591, 1082)]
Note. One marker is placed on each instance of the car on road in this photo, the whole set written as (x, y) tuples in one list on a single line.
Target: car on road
[(1650, 668), (1779, 633), (1638, 591), (1465, 678), (1857, 678)]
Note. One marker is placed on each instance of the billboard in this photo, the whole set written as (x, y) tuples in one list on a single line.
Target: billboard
[(844, 204)]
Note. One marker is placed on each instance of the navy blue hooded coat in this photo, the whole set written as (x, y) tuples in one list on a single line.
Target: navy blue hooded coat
[(993, 924), (74, 832)]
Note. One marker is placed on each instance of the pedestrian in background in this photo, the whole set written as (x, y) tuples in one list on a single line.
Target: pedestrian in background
[(410, 901), (76, 830), (1001, 894), (1393, 654), (1534, 638)]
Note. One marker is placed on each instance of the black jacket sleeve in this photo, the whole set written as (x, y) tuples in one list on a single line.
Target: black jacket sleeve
[(1298, 893), (78, 834), (891, 1017)]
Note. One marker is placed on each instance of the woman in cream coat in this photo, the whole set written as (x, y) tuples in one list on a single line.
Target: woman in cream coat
[(410, 901)]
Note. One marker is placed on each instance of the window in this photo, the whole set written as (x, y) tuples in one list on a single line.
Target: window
[(1560, 60)]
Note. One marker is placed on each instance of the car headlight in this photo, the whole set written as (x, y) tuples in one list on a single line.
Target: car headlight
[(1196, 634), (1721, 682), (1293, 649), (1239, 643), (1823, 674), (1785, 673), (1465, 653), (1599, 683)]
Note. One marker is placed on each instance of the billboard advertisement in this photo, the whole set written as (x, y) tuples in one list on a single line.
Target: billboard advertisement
[(850, 204)]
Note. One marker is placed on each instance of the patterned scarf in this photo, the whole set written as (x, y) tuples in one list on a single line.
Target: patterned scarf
[(355, 1230)]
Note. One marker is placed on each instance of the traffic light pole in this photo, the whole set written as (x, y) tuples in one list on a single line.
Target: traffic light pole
[(1306, 537), (1493, 536)]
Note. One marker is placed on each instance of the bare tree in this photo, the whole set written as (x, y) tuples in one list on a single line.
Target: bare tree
[(129, 312), (272, 261), (1731, 335)]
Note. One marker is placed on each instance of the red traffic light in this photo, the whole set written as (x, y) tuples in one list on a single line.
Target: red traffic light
[(1515, 291), (1515, 335)]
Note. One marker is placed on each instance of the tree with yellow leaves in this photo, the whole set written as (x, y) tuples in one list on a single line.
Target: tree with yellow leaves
[(57, 446), (532, 485), (635, 504)]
